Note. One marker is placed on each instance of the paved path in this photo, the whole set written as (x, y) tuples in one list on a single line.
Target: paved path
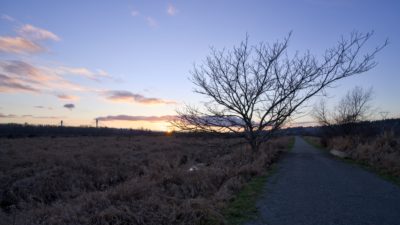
[(310, 187)]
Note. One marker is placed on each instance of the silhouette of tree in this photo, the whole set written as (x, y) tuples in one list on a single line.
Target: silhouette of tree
[(353, 108), (253, 90)]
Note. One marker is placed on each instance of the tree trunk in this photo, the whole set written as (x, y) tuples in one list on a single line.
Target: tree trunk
[(254, 144)]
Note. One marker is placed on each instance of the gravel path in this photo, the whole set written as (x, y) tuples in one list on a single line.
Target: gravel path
[(310, 187)]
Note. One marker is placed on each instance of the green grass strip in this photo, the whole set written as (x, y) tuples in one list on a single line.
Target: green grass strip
[(243, 207)]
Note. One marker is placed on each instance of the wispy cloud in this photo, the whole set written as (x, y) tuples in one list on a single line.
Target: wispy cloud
[(37, 34), (41, 117), (17, 76), (42, 107), (151, 21), (82, 71), (67, 97), (25, 71), (19, 45), (126, 96), (7, 17), (171, 10), (135, 13), (137, 118), (29, 116), (8, 84), (69, 106), (7, 115), (27, 41)]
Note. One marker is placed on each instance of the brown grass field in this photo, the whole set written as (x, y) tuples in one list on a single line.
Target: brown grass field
[(381, 152), (125, 180)]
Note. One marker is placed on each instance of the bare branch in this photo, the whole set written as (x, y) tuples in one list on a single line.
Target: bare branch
[(253, 90)]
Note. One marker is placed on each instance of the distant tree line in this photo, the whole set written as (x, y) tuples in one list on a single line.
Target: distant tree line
[(19, 130)]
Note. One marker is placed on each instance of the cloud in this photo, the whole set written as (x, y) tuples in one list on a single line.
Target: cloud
[(27, 40), (7, 17), (67, 97), (126, 96), (19, 45), (22, 76), (7, 116), (137, 118), (25, 71), (36, 34), (30, 116), (8, 84), (171, 10), (69, 106), (42, 107), (41, 117), (135, 13), (151, 22), (82, 71)]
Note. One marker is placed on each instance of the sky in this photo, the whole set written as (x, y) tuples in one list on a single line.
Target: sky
[(128, 63)]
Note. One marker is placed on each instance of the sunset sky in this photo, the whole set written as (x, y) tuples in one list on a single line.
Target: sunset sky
[(128, 62)]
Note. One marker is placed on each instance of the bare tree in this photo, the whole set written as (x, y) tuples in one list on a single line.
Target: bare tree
[(253, 90), (352, 108), (321, 113), (344, 119)]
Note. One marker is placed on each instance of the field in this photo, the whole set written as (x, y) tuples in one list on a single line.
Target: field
[(125, 180)]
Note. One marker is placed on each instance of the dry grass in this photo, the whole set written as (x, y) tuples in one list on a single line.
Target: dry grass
[(122, 180), (381, 152)]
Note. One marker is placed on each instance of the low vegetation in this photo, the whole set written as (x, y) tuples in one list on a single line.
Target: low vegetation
[(126, 180), (380, 152)]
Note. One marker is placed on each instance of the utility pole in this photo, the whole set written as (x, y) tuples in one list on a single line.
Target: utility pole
[(61, 123), (97, 123)]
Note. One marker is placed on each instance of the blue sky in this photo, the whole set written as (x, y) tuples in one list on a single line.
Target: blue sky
[(133, 58)]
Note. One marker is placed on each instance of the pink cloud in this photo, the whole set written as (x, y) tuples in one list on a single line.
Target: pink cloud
[(67, 97), (126, 96), (171, 10), (22, 76), (8, 84), (18, 45), (25, 71), (35, 33), (137, 118), (7, 115), (82, 71)]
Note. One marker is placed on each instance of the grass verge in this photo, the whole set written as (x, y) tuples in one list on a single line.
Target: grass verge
[(382, 173), (291, 144), (243, 207), (314, 141)]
